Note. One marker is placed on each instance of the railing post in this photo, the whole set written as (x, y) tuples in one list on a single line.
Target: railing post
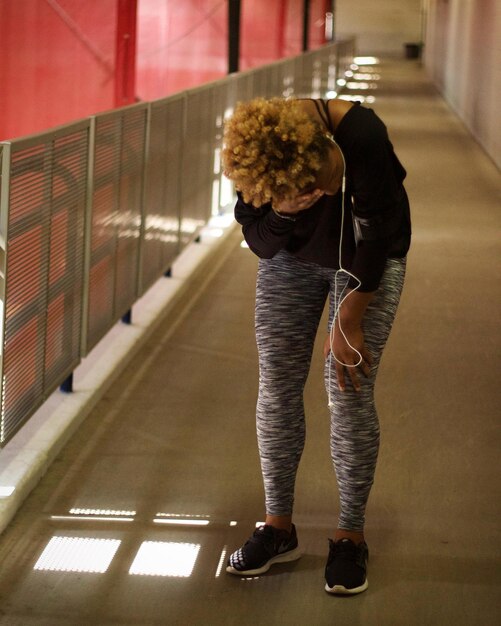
[(67, 384), (127, 318), (306, 24), (233, 36), (144, 213), (5, 152), (88, 237)]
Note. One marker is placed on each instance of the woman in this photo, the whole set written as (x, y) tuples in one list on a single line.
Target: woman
[(321, 202)]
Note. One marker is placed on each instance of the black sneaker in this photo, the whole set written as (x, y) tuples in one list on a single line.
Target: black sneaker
[(268, 545), (346, 569)]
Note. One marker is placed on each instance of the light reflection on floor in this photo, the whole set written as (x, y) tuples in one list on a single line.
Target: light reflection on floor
[(361, 77), (78, 554), (165, 558), (222, 561), (153, 558), (181, 522)]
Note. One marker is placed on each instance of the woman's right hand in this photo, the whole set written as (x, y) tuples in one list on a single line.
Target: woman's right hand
[(291, 206)]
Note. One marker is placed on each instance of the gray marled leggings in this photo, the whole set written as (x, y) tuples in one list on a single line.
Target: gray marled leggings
[(289, 302)]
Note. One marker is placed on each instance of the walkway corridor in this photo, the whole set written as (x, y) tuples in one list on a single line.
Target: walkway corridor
[(173, 440)]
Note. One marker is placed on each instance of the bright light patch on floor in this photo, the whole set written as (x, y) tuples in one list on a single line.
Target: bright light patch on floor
[(331, 94), (244, 244), (91, 518), (182, 519), (182, 522), (78, 554), (341, 82), (366, 60), (161, 558), (182, 515), (6, 492), (103, 512), (366, 76), (361, 85), (222, 561), (233, 523)]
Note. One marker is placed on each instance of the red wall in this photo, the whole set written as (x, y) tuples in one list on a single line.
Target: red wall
[(180, 44), (57, 62), (317, 22), (183, 44), (61, 60), (272, 30)]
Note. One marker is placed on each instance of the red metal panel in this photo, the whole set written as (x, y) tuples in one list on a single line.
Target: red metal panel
[(62, 60), (294, 28), (274, 30), (261, 24), (317, 23), (180, 45), (57, 59)]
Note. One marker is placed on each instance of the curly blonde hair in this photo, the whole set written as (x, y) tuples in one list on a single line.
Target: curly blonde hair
[(272, 149)]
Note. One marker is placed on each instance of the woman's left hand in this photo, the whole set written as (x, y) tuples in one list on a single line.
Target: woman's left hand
[(348, 353)]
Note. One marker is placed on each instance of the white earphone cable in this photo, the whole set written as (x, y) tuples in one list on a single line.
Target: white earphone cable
[(340, 298)]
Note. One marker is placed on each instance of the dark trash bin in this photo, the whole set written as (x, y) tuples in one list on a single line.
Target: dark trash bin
[(412, 50)]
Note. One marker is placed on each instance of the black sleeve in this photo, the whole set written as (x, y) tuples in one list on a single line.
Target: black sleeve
[(374, 171), (368, 264), (265, 232), (375, 182)]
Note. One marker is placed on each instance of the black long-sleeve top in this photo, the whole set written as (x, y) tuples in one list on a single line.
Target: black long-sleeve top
[(374, 194)]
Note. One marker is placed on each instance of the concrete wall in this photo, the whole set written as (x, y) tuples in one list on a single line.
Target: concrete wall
[(462, 55), (381, 26)]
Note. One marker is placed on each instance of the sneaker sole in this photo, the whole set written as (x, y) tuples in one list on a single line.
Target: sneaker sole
[(293, 555), (340, 590)]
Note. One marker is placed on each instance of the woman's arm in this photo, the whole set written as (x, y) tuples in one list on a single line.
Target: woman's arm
[(375, 176), (267, 230), (264, 231), (375, 182)]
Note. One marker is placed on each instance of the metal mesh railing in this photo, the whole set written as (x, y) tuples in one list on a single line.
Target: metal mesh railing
[(93, 213), (116, 181), (162, 190), (43, 266)]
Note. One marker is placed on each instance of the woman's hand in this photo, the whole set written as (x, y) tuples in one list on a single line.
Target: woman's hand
[(348, 356), (291, 206)]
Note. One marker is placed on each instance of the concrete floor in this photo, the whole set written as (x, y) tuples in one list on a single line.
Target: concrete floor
[(174, 439)]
